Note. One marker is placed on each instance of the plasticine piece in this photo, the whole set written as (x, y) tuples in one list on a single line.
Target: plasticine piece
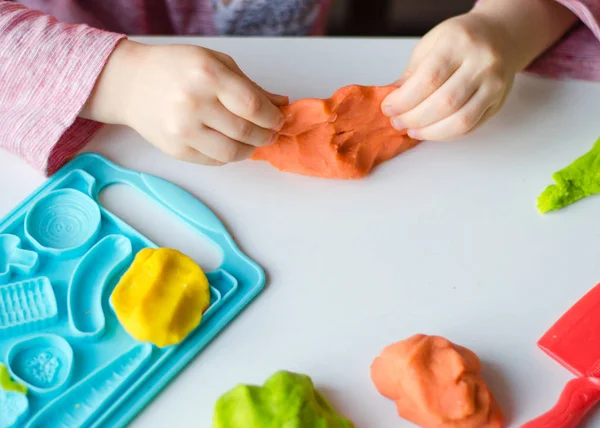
[(575, 182), (342, 137), (287, 400), (435, 383), (162, 297), (7, 384)]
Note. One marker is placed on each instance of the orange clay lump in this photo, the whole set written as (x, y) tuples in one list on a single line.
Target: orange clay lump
[(161, 297), (342, 137), (435, 384)]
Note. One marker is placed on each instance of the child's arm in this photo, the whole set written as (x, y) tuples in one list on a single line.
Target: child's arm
[(531, 26), (191, 102), (576, 56), (461, 72), (47, 71)]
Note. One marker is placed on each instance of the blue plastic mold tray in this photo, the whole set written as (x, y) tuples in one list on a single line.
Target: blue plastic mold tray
[(61, 254)]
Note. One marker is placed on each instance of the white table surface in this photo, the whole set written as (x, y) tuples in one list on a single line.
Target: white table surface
[(445, 239)]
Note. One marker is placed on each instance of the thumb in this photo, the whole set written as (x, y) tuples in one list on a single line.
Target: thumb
[(278, 100)]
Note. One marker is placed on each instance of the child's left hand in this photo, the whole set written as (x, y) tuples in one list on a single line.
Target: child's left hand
[(458, 77)]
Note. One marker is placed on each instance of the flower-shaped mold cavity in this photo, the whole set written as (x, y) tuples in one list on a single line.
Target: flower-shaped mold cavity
[(13, 258), (42, 363), (64, 223), (27, 306)]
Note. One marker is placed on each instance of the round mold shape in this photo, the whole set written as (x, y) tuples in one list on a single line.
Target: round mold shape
[(42, 363), (63, 223)]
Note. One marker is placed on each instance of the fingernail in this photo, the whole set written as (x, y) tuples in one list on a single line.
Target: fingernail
[(279, 99), (388, 110), (398, 124), (280, 124), (413, 133)]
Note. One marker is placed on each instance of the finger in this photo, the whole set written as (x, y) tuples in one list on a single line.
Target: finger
[(447, 100), (487, 116), (420, 52), (189, 154), (431, 74), (222, 120), (244, 99), (278, 100), (220, 147), (458, 124)]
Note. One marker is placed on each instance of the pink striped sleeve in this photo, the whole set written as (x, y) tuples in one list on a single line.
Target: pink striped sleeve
[(576, 56), (47, 71)]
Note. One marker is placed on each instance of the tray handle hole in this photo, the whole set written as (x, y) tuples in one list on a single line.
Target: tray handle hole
[(159, 225)]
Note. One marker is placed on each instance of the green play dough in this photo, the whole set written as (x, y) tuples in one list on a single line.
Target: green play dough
[(287, 400), (575, 182), (9, 385)]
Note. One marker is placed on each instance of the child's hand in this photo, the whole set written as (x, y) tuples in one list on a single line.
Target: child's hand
[(458, 77), (192, 103)]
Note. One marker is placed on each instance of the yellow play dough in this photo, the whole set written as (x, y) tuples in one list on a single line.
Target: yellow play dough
[(161, 297)]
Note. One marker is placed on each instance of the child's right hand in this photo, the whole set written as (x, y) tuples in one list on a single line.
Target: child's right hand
[(459, 75), (192, 103), (461, 72)]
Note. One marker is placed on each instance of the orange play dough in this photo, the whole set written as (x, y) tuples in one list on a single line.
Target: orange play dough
[(435, 384), (342, 137)]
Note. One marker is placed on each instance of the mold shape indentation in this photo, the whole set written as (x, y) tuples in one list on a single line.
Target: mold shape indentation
[(14, 408), (43, 363), (222, 285), (108, 257), (80, 404), (27, 306), (14, 405), (14, 259), (64, 223)]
